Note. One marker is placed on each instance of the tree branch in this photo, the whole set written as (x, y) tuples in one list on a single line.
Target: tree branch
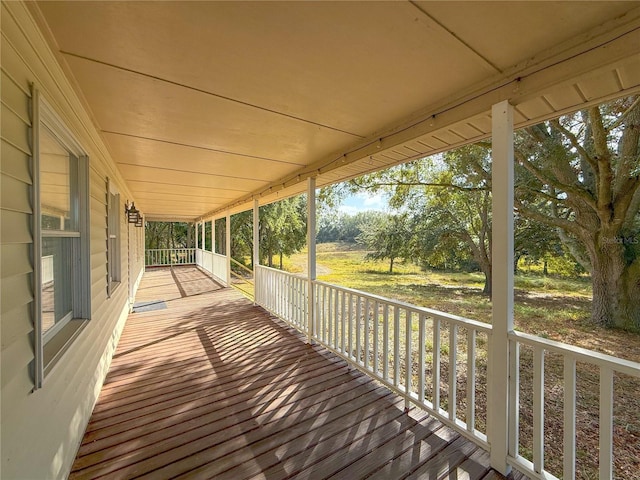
[(548, 179), (375, 185), (557, 222), (622, 118), (573, 139), (603, 157), (541, 194)]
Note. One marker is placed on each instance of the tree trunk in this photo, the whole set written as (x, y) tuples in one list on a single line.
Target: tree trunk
[(616, 289), (486, 290), (280, 260), (270, 259), (391, 265), (545, 268)]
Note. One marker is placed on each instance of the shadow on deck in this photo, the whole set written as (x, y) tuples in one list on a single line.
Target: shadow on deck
[(213, 387)]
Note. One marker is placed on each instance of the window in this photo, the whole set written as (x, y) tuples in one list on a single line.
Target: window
[(114, 264), (61, 239)]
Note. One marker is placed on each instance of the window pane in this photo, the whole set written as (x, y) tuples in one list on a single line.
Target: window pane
[(55, 184), (56, 280)]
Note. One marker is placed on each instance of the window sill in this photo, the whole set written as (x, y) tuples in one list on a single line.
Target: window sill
[(55, 348)]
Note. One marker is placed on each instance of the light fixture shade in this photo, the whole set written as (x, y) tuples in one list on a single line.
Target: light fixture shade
[(140, 221)]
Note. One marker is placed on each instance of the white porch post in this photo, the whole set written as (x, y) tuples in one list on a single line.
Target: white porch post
[(256, 249), (502, 285), (196, 225), (227, 247), (311, 253), (213, 235)]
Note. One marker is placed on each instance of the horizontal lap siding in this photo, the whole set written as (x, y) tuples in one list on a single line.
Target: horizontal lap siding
[(41, 430), (16, 295)]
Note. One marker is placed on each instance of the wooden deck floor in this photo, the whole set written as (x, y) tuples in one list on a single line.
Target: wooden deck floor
[(212, 387)]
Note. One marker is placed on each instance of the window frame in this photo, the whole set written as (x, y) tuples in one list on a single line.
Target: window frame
[(114, 239), (50, 346)]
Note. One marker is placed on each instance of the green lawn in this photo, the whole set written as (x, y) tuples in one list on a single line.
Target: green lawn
[(544, 305), (551, 307)]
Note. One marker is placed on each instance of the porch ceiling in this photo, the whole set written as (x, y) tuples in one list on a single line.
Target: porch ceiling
[(206, 105)]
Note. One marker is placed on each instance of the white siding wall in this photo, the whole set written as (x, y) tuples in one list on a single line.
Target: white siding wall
[(41, 430)]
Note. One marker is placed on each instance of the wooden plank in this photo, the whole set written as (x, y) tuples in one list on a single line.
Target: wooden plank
[(327, 416), (212, 386), (317, 455), (446, 461), (475, 466), (373, 450), (411, 458)]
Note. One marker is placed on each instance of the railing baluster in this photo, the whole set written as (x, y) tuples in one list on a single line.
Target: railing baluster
[(298, 301), (366, 333), (453, 370), (396, 345), (321, 312), (421, 356), (359, 339), (289, 306), (336, 300), (376, 349), (327, 314), (326, 305), (385, 342), (350, 318), (471, 379), (408, 363), (538, 409), (343, 323), (514, 399), (436, 364), (330, 319), (569, 443), (606, 423)]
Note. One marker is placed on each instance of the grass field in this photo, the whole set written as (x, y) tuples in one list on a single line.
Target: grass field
[(550, 307)]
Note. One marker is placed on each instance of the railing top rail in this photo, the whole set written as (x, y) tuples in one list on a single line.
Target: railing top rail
[(462, 321), (581, 354), (242, 266), (168, 249), (244, 279), (276, 270)]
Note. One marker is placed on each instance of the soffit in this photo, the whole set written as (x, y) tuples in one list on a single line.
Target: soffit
[(208, 104)]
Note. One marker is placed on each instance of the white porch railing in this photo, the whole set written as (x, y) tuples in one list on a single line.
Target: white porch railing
[(219, 267), (213, 263), (47, 270), (170, 256), (283, 294), (605, 367), (419, 353), (438, 362)]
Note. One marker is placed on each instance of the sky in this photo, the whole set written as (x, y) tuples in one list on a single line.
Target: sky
[(363, 201)]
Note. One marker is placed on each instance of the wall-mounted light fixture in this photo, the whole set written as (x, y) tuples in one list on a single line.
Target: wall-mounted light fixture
[(140, 221), (132, 213)]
